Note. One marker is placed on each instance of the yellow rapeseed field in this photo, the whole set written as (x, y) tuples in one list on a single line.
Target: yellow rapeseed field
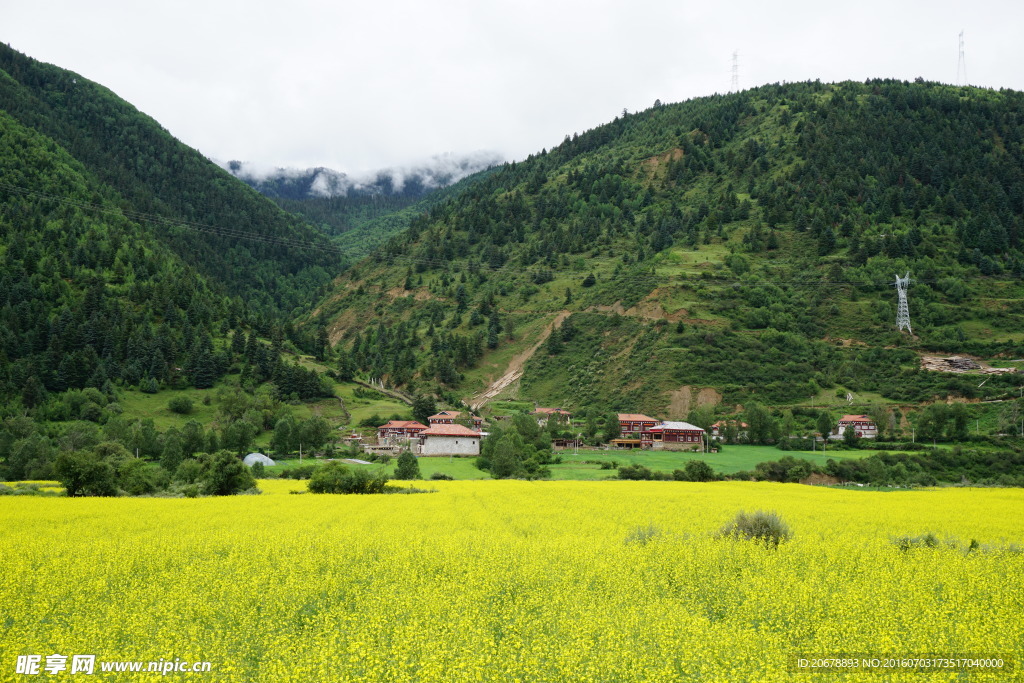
[(511, 581)]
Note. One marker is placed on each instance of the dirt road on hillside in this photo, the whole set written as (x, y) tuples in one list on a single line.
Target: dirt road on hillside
[(515, 366)]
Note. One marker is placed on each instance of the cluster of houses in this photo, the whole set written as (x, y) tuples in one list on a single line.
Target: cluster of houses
[(445, 435)]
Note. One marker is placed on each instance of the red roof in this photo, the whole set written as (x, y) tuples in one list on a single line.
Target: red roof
[(856, 418), (551, 411), (402, 424), (449, 430), (635, 417)]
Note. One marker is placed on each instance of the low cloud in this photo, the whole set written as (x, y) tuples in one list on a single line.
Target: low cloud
[(438, 171)]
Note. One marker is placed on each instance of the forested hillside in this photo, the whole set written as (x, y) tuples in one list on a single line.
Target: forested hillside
[(228, 232), (744, 244), (128, 259), (361, 216)]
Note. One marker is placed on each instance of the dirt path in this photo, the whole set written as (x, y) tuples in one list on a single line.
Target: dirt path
[(393, 393), (515, 366)]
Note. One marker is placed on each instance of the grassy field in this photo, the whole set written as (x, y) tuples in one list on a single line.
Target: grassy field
[(732, 459), (512, 581)]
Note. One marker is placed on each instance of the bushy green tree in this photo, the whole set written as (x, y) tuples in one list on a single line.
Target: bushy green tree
[(224, 474), (407, 467), (423, 406), (334, 477), (86, 473)]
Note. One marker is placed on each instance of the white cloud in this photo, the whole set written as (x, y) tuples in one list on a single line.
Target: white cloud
[(371, 85)]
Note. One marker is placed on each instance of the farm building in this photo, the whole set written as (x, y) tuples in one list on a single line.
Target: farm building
[(449, 439), (720, 429), (399, 430), (632, 424), (545, 414), (864, 426), (450, 417), (674, 436), (254, 458)]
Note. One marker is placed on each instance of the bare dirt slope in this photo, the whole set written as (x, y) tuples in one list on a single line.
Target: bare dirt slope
[(515, 366)]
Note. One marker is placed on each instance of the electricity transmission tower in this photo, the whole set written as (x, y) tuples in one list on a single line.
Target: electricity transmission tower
[(961, 65), (902, 310), (735, 71)]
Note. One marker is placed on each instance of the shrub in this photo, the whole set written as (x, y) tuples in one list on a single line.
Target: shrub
[(906, 543), (642, 535), (635, 472), (335, 477), (760, 526), (301, 472), (182, 405), (437, 476)]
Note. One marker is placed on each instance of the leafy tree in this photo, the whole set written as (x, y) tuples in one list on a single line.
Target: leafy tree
[(825, 423), (284, 439), (761, 426), (224, 474), (314, 433), (85, 473), (407, 467), (507, 458), (612, 428), (238, 436), (850, 437), (423, 406)]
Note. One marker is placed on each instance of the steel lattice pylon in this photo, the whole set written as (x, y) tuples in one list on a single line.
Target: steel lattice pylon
[(902, 310)]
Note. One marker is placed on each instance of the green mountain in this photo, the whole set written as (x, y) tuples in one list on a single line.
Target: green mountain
[(739, 247), (270, 259), (125, 256)]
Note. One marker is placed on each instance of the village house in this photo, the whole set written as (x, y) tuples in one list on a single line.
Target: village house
[(633, 431), (632, 424), (396, 431), (674, 436), (448, 439), (545, 414), (862, 424), (719, 430), (450, 417)]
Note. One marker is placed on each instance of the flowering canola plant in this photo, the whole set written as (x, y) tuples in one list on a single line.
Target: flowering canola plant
[(513, 581)]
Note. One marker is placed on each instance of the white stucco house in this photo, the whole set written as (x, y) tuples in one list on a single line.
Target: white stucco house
[(449, 439)]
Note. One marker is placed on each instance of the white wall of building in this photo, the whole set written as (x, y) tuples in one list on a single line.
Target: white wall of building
[(451, 445)]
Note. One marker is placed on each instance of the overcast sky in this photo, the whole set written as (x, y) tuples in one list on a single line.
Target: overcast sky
[(360, 86)]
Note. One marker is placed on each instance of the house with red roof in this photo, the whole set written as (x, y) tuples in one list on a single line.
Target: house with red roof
[(450, 417), (719, 429), (395, 431), (448, 439), (674, 436), (545, 414), (632, 424), (862, 424)]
